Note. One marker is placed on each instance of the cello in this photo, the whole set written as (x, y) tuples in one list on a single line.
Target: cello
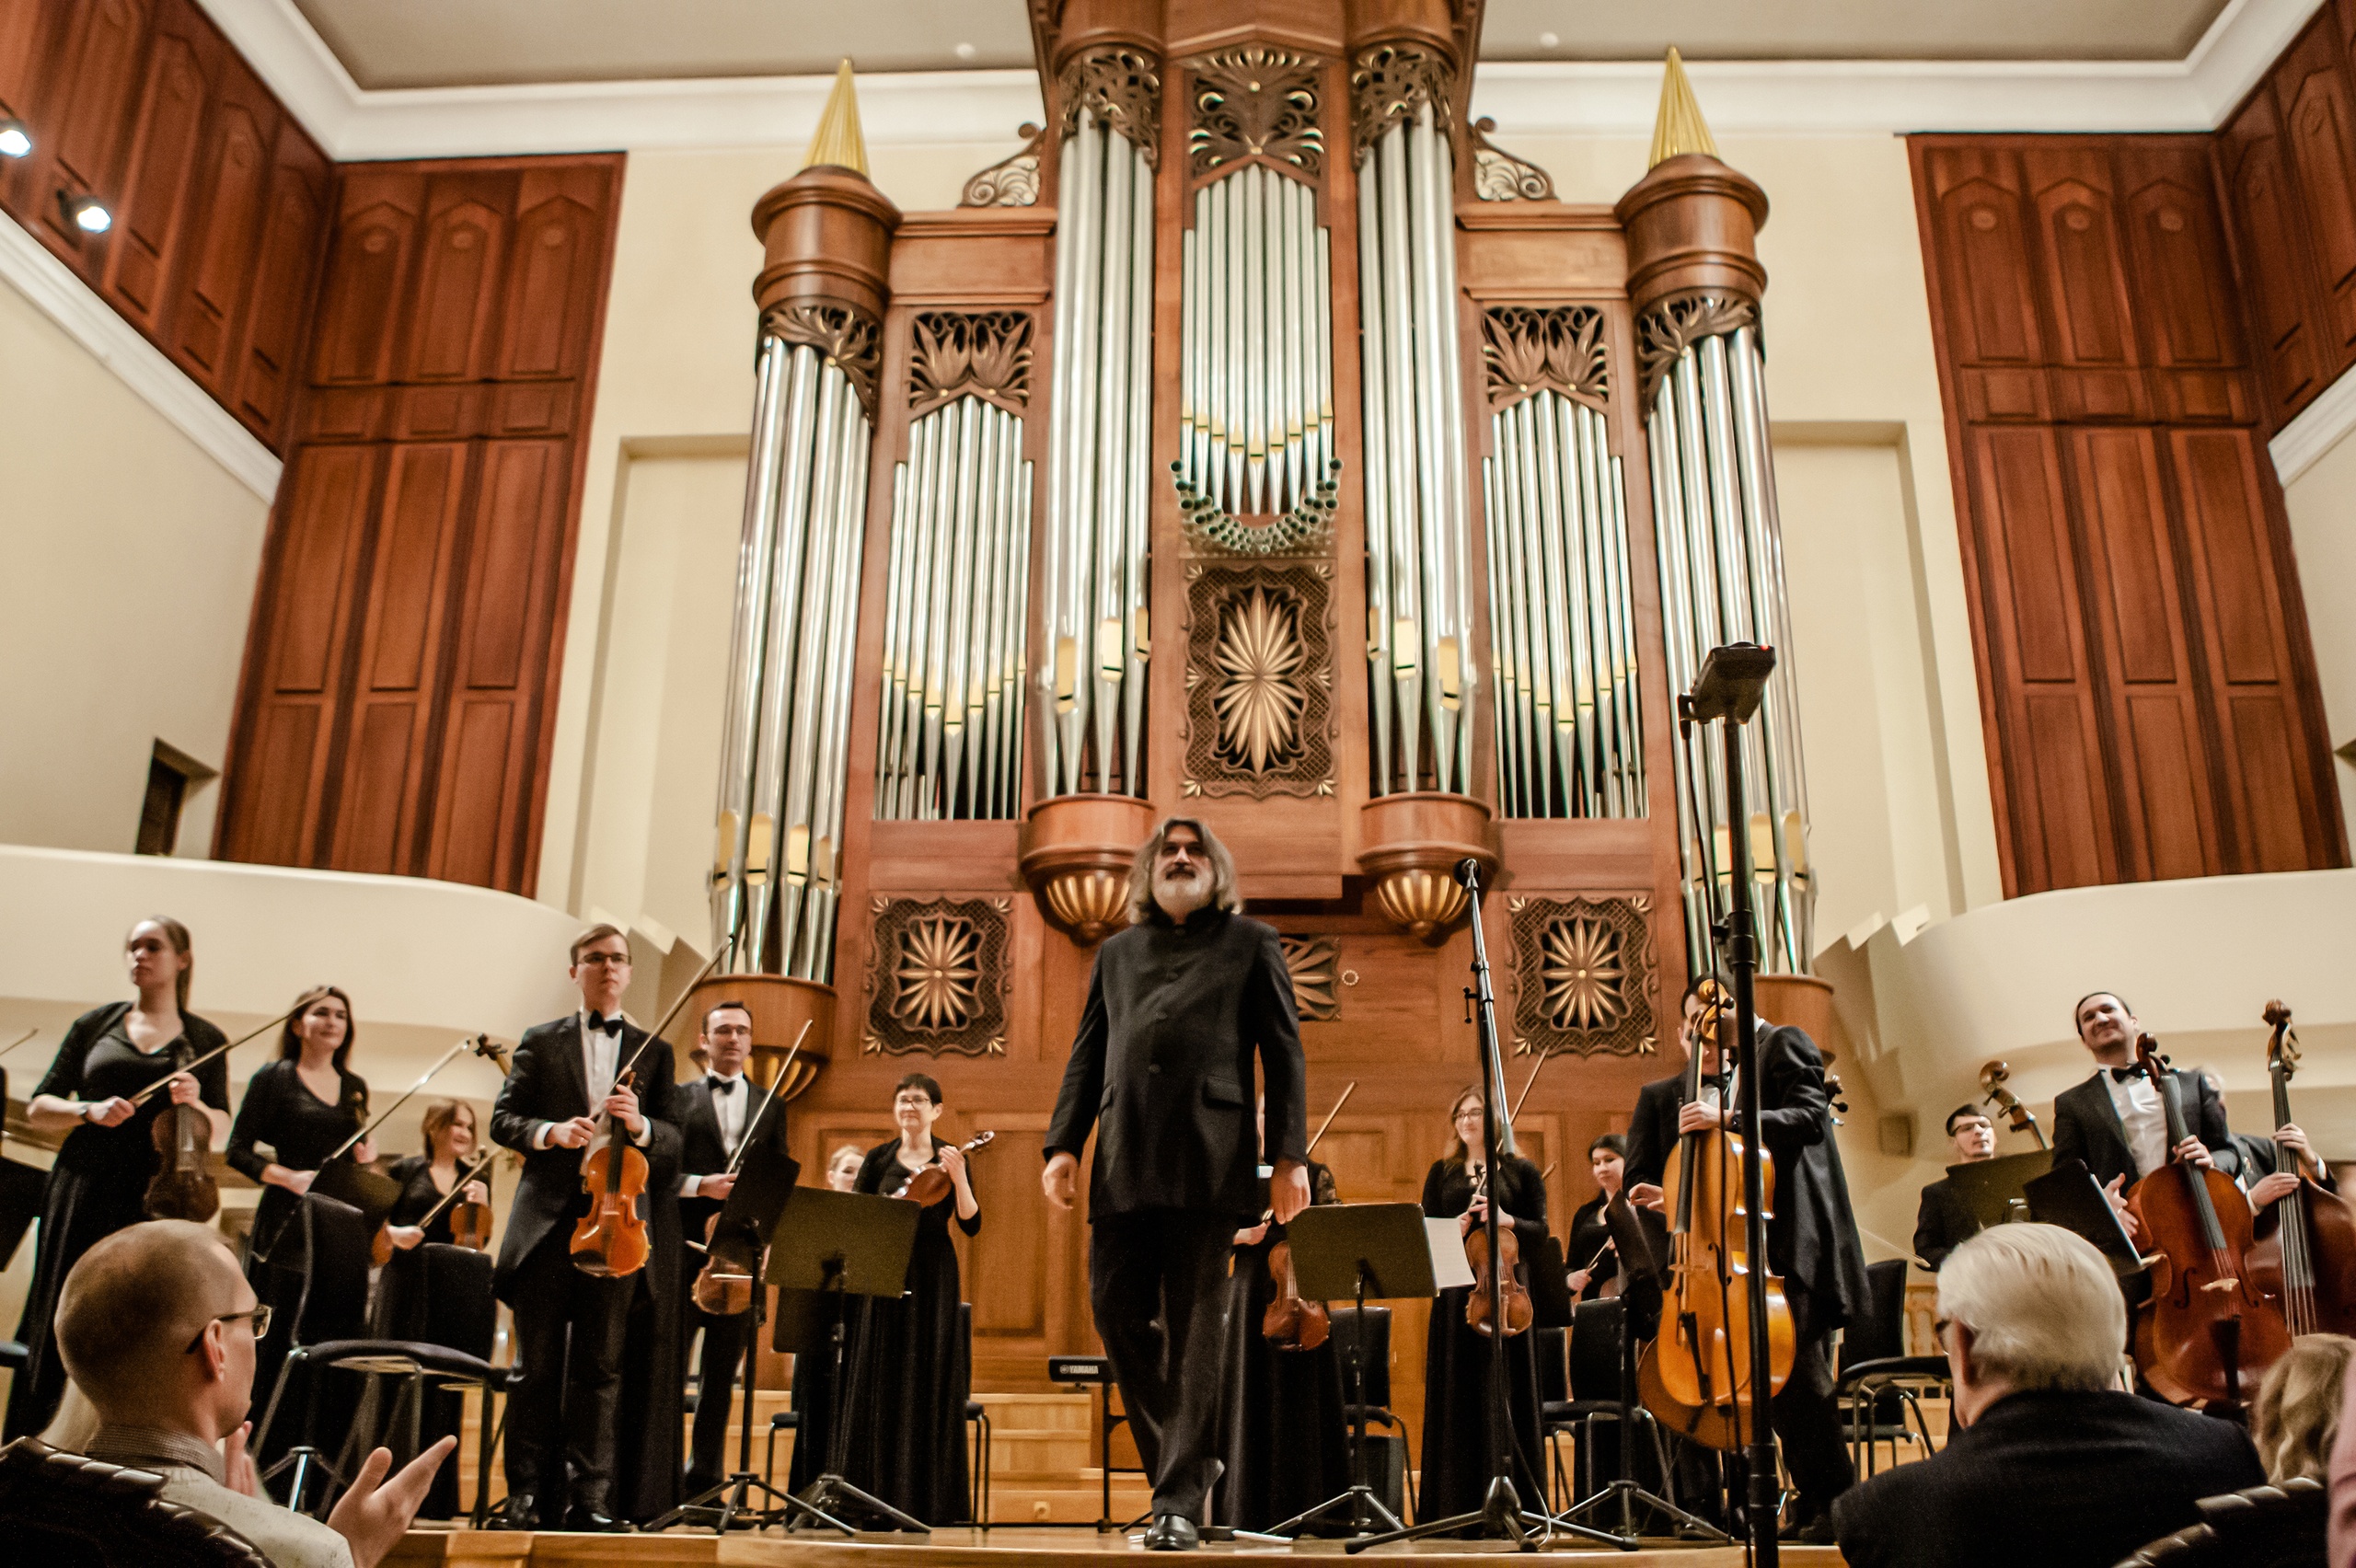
[(1994, 1076), (2208, 1328), (1700, 1362), (2305, 1252)]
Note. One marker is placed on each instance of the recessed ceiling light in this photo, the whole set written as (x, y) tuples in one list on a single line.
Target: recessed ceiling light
[(964, 52), (85, 213), (1550, 41), (14, 140)]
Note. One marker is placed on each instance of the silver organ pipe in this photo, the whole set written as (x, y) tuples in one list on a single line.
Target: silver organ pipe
[(1091, 674), (746, 652), (956, 577), (1722, 580)]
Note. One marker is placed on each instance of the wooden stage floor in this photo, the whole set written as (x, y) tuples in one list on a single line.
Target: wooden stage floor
[(1002, 1548)]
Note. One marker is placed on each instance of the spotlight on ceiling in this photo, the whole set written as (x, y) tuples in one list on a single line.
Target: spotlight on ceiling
[(14, 140), (85, 213)]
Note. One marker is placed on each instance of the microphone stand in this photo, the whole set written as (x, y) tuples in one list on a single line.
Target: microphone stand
[(1501, 1516)]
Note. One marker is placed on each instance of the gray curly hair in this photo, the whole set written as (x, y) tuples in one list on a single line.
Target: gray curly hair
[(1223, 893)]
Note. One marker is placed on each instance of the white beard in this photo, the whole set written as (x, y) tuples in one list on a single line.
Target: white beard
[(1181, 897)]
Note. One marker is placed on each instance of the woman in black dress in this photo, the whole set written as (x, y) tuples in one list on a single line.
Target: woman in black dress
[(1456, 1359), (1593, 1270), (99, 1180), (1286, 1448), (907, 1433), (452, 1143)]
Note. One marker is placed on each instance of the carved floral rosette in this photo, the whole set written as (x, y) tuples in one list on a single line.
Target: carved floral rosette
[(1586, 982), (1315, 963), (1260, 714), (938, 976)]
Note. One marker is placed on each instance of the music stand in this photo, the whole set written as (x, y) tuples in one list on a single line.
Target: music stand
[(370, 1191), (2067, 1196), (1639, 1269), (1989, 1189), (755, 1204), (844, 1244)]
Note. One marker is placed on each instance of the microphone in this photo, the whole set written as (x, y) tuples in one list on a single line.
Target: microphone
[(1468, 871)]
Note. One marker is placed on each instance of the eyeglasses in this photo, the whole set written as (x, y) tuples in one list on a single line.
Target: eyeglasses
[(258, 1316), (1939, 1331)]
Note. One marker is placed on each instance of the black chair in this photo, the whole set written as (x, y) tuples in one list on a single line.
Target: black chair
[(2262, 1526), (64, 1511), (1578, 1386), (1387, 1468), (978, 1420), (1882, 1387)]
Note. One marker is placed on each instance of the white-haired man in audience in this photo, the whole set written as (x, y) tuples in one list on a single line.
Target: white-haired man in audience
[(156, 1326), (2070, 1472)]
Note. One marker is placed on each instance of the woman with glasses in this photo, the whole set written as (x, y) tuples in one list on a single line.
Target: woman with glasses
[(99, 1183)]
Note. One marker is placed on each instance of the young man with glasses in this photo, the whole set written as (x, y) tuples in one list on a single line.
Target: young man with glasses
[(1942, 1223)]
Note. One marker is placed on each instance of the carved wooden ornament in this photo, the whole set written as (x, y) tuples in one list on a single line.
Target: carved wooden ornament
[(938, 976), (1585, 980)]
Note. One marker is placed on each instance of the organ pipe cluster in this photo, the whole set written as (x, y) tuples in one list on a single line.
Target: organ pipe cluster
[(775, 869), (949, 735), (1570, 742), (1722, 580), (1419, 609), (1256, 414), (1092, 678)]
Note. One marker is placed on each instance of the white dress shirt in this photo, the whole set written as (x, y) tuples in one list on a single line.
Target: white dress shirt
[(729, 1110), (600, 1065), (2144, 1118)]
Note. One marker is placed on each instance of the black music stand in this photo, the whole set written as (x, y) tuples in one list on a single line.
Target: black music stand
[(370, 1191), (1996, 1190), (842, 1245), (763, 1186), (2067, 1196), (1378, 1251), (1641, 1270)]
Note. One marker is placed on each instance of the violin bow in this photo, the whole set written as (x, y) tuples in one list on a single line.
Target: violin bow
[(141, 1098), (480, 1044), (1515, 1115), (20, 1040), (458, 1186), (784, 1067), (676, 1003), (1329, 1117)]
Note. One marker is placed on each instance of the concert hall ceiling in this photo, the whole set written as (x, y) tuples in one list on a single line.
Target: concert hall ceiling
[(431, 43)]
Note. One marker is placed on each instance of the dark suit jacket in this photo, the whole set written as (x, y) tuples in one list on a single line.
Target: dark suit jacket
[(1942, 1224), (546, 1084), (1811, 1234), (2087, 1126), (2047, 1480), (1163, 1061), (702, 1152)]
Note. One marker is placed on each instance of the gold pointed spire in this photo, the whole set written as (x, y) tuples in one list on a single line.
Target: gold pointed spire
[(838, 141), (1678, 127)]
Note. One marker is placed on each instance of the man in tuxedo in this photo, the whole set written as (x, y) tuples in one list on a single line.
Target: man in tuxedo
[(2053, 1458), (1811, 1235), (1178, 1006), (715, 1111), (570, 1325), (1942, 1222), (2114, 1121)]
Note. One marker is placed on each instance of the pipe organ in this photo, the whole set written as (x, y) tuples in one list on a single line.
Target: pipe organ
[(1066, 510)]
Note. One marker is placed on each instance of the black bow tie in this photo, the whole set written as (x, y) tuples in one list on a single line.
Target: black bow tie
[(600, 1024), (2122, 1074), (723, 1086)]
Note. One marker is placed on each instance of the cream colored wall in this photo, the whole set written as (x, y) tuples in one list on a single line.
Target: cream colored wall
[(2322, 503), (131, 558)]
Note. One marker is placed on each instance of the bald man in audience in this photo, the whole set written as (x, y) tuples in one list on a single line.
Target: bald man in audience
[(2053, 1458), (156, 1326)]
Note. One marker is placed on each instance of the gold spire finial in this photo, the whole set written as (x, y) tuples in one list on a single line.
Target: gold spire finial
[(1678, 127), (838, 141)]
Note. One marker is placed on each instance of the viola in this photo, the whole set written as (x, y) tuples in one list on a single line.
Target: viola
[(1702, 1356), (1512, 1295), (2208, 1331), (1993, 1079), (2305, 1255), (931, 1184), (610, 1240), (183, 1187)]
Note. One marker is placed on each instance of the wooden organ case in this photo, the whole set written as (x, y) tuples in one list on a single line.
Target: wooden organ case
[(1261, 444)]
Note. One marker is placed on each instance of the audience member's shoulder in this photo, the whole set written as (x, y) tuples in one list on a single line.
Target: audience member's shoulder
[(288, 1538)]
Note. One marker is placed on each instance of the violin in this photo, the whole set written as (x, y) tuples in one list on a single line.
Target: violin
[(469, 1222), (931, 1184), (723, 1286), (1993, 1079), (2305, 1252), (1513, 1297), (1291, 1320), (183, 1187), (2207, 1328), (1701, 1357), (610, 1240)]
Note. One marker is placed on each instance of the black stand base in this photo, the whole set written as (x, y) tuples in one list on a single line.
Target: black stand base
[(729, 1506), (1631, 1497), (1365, 1507), (1501, 1518), (827, 1496)]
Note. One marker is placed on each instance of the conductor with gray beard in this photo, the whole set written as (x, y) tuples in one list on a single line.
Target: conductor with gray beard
[(1178, 1006)]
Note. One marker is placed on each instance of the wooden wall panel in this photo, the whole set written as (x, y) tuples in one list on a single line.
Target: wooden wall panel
[(453, 356), (218, 196), (2134, 606)]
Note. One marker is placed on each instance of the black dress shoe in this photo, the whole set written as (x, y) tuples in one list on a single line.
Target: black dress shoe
[(1172, 1532), (595, 1520), (516, 1514)]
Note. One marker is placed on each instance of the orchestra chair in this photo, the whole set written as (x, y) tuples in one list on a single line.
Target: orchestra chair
[(1385, 1456), (782, 1420), (2261, 1526), (978, 1435), (1579, 1385), (1880, 1387), (64, 1511)]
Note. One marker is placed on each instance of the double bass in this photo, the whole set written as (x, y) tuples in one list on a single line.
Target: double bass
[(1699, 1364), (2305, 1252), (1994, 1076), (2208, 1332)]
